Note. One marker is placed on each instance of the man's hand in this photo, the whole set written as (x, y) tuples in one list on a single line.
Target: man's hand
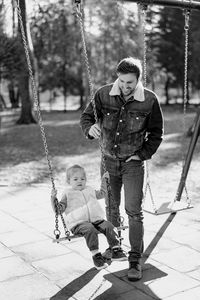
[(95, 131), (106, 175), (133, 157)]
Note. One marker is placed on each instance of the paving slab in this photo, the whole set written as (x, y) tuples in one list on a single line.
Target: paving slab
[(34, 268), (14, 266), (39, 250), (182, 259), (30, 287), (192, 294)]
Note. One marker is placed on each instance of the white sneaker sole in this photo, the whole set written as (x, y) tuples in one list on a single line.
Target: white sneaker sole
[(120, 259), (102, 267)]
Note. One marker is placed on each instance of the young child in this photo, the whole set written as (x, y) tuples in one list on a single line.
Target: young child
[(84, 215)]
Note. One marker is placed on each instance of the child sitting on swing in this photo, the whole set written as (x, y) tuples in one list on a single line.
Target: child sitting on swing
[(84, 215)]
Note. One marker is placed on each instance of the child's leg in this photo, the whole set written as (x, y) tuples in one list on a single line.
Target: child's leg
[(114, 252), (110, 232), (90, 234)]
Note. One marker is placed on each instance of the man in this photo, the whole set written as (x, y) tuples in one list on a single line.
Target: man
[(130, 128)]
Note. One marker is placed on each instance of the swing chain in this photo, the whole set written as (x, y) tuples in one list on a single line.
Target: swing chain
[(34, 90), (186, 14), (186, 28), (143, 7), (87, 65), (39, 116), (86, 60), (91, 91)]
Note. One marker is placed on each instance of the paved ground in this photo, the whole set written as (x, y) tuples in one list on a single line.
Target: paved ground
[(32, 267)]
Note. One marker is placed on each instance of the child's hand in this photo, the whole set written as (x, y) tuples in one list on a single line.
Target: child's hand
[(53, 199), (53, 194)]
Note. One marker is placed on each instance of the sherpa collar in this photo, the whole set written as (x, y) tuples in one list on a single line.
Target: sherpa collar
[(138, 92)]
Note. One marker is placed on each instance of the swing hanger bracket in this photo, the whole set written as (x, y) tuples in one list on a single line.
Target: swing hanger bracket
[(186, 13)]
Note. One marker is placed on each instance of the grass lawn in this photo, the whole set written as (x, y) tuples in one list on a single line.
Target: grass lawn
[(23, 160)]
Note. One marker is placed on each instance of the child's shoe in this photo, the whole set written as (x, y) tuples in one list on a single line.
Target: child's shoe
[(118, 254), (99, 261)]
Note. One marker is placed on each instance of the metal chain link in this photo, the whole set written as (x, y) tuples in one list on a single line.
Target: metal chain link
[(143, 8), (39, 116), (186, 14), (91, 89)]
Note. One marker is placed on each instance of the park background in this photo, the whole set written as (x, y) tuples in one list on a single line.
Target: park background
[(113, 30)]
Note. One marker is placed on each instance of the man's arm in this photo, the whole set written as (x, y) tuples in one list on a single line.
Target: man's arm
[(88, 122), (154, 133), (102, 193)]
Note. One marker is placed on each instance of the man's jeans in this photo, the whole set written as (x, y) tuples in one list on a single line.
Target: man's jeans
[(131, 175)]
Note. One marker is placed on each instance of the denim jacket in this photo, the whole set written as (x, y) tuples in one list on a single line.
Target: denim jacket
[(127, 127)]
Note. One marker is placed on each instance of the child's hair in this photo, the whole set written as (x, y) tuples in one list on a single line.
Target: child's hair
[(130, 65), (70, 171)]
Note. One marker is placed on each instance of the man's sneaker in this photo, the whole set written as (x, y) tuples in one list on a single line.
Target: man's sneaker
[(99, 261), (107, 254), (118, 255), (135, 271)]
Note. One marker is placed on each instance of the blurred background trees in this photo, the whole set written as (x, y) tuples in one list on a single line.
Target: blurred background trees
[(113, 30)]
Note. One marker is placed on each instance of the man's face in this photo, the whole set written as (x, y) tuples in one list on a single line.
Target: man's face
[(127, 83)]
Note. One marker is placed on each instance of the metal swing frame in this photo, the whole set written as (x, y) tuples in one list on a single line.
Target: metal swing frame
[(176, 204)]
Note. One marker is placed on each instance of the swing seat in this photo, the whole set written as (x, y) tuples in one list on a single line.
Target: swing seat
[(75, 236), (120, 228), (69, 238), (169, 208)]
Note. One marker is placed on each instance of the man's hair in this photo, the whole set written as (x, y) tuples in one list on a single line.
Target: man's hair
[(130, 65), (70, 171)]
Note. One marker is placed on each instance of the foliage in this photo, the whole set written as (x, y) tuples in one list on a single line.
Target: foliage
[(194, 40), (115, 37), (170, 53), (57, 48), (168, 41)]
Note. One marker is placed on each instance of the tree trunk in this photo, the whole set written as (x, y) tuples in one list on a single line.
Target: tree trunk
[(26, 108), (26, 116)]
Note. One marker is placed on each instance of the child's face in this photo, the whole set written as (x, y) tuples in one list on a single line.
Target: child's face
[(78, 180)]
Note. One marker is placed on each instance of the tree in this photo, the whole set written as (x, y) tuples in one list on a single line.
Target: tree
[(114, 35), (26, 116), (194, 41), (57, 47), (168, 39)]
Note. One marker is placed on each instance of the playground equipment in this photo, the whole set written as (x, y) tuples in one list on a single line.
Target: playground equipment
[(183, 4), (175, 205)]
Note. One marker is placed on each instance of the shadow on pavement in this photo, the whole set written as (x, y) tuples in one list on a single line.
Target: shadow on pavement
[(120, 285), (76, 285)]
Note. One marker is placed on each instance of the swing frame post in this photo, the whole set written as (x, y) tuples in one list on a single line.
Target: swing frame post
[(184, 4), (188, 158)]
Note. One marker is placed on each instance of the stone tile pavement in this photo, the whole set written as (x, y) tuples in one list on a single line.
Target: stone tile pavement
[(32, 267)]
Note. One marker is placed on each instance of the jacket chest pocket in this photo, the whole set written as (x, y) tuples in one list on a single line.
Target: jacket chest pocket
[(136, 121), (110, 120)]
